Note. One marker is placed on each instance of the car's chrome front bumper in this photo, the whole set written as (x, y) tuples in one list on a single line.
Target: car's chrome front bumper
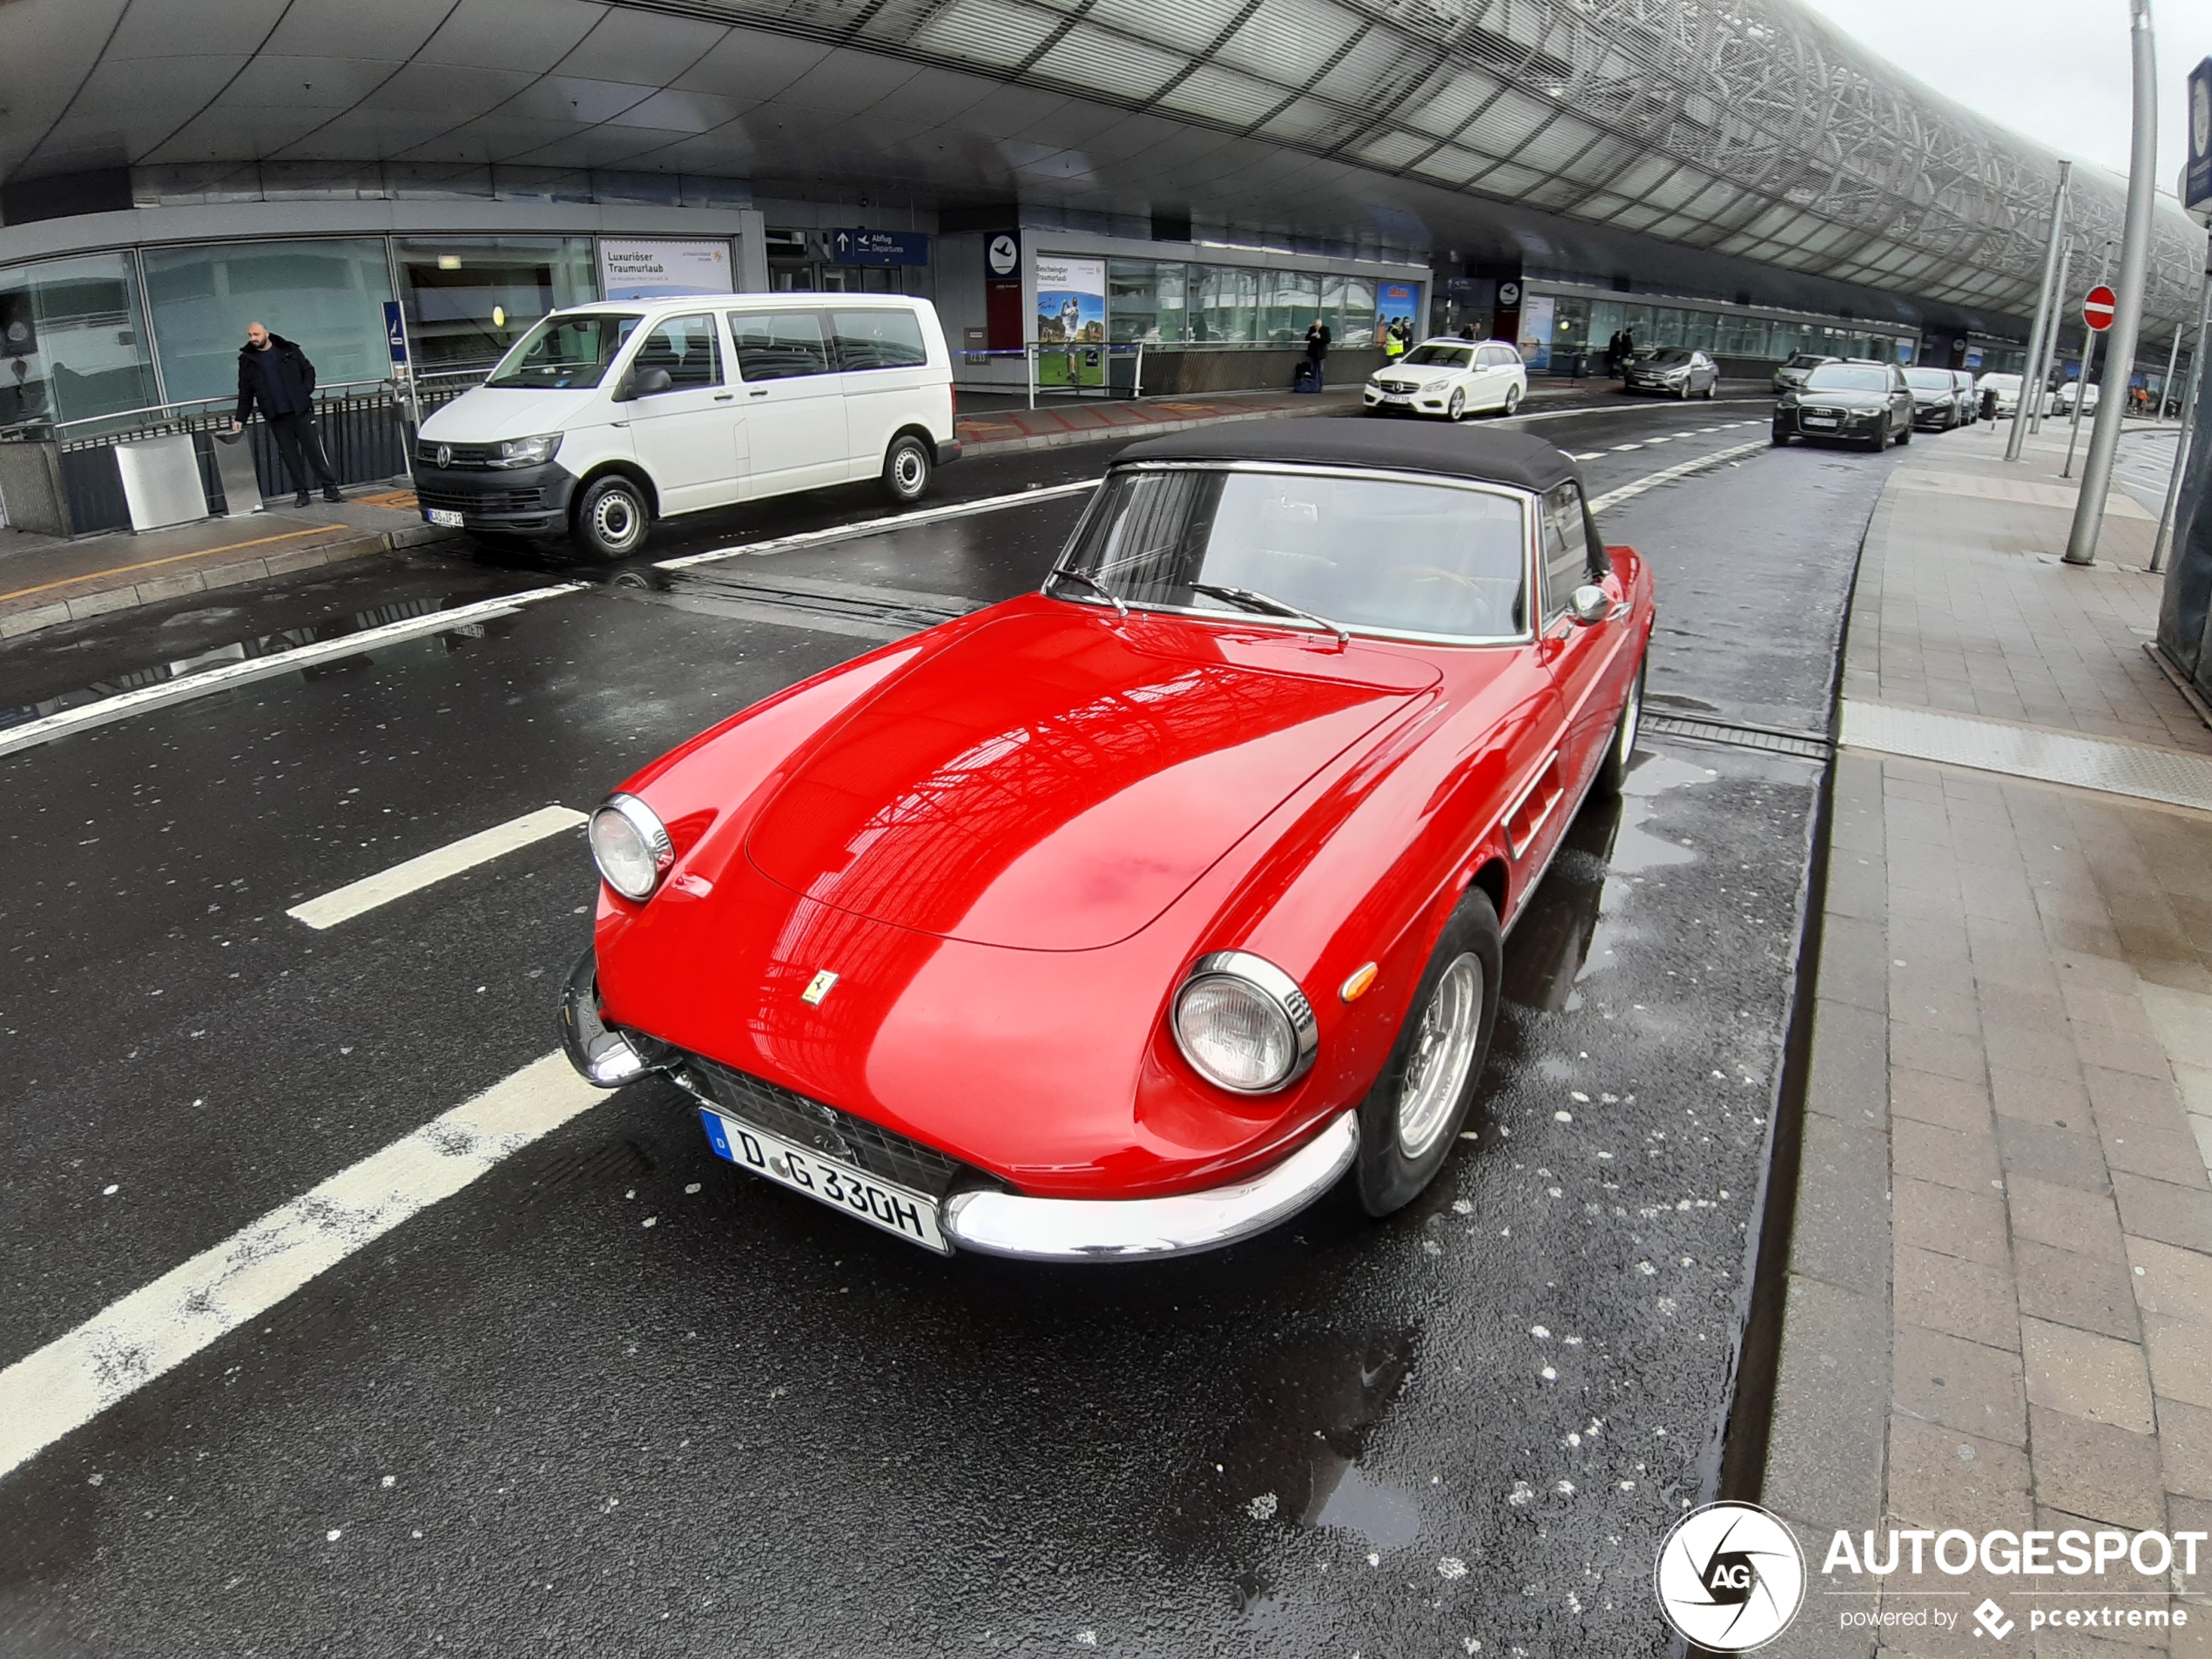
[(1108, 1229), (1039, 1230)]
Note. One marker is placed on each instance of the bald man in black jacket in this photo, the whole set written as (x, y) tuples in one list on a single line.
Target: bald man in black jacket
[(275, 374)]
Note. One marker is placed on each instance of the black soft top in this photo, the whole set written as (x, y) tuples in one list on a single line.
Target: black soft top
[(1400, 446)]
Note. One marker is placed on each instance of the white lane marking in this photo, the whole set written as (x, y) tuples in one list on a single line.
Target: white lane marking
[(877, 526), (343, 904), (78, 1375), (1593, 454), (1615, 409), (1669, 438), (69, 721), (1623, 449), (1668, 475)]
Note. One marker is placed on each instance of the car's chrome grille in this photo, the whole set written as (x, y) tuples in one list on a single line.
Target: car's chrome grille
[(1397, 386), (835, 1134), (456, 454)]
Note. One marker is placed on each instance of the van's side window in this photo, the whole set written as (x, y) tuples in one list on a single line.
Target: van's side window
[(686, 348), (879, 339), (780, 345)]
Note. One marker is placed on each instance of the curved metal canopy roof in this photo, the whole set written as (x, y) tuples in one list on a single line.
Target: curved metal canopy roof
[(1743, 128)]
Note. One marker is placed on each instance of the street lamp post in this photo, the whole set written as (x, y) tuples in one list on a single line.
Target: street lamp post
[(2046, 305), (2051, 340), (2134, 259), (2164, 543)]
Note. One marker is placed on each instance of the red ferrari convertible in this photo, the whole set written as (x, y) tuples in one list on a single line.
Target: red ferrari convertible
[(1123, 918)]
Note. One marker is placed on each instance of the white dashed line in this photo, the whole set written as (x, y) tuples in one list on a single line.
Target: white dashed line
[(1593, 455), (118, 1351), (1623, 449), (343, 904), (1668, 475), (875, 526)]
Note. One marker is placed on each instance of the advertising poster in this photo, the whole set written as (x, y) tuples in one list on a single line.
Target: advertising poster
[(1536, 312), (1072, 321), (643, 270), (1397, 299)]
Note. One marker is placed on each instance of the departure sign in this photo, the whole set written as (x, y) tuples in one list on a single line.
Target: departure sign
[(2096, 310)]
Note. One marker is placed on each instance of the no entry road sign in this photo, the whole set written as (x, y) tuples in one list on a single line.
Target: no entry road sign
[(2096, 310)]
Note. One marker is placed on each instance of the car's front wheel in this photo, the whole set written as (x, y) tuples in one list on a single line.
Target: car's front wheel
[(1412, 1115), (1613, 770), (906, 469), (610, 518), (1712, 390), (1780, 436), (1457, 408)]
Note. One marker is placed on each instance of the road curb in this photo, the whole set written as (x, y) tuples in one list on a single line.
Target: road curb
[(157, 590)]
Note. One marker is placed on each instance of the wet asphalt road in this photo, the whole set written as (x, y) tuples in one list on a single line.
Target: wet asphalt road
[(528, 1421)]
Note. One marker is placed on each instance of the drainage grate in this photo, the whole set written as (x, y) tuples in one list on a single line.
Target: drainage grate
[(1771, 739)]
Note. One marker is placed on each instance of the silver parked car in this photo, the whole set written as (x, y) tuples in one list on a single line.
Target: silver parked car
[(1675, 371)]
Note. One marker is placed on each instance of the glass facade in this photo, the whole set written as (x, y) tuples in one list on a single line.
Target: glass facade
[(72, 340), (1167, 302), (469, 300), (1731, 333), (327, 296)]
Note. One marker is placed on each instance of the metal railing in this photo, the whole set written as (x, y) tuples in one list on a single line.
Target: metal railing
[(1114, 359)]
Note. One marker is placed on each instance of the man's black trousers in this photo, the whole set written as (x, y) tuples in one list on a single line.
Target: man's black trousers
[(297, 442)]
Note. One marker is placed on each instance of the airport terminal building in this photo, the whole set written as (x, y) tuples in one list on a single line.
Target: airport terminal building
[(1098, 195)]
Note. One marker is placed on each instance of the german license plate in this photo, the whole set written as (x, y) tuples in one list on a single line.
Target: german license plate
[(443, 516), (1397, 397), (898, 1210), (1819, 420)]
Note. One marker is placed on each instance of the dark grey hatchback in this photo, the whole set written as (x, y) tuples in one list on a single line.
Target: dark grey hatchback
[(1860, 402)]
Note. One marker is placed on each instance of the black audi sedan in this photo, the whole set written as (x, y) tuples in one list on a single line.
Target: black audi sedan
[(1860, 401), (1935, 405)]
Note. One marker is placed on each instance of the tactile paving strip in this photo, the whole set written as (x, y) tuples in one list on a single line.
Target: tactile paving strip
[(2027, 751)]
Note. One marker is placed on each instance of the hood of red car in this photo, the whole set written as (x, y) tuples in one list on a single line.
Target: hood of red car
[(1054, 779)]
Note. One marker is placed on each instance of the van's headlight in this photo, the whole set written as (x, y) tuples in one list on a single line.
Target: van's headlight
[(1244, 1023), (631, 846), (526, 452)]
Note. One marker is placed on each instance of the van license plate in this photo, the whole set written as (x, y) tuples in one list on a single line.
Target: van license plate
[(442, 515)]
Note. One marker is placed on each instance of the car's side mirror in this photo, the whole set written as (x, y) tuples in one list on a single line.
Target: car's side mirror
[(1589, 604), (642, 382)]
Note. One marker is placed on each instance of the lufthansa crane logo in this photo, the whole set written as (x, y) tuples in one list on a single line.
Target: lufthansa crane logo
[(1730, 1577)]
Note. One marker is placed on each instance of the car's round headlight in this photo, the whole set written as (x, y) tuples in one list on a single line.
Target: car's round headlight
[(1244, 1023), (631, 846)]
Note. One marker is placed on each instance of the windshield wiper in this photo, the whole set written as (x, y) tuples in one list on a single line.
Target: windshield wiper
[(1255, 601), (1094, 584)]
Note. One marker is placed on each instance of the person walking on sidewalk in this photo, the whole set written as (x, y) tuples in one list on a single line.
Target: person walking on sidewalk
[(275, 374)]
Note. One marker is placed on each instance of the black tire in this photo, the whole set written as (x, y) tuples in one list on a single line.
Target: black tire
[(1780, 436), (1456, 410), (1620, 752), (1513, 400), (1906, 436), (611, 518), (1878, 439), (1712, 391), (1387, 1177), (907, 468), (1682, 396)]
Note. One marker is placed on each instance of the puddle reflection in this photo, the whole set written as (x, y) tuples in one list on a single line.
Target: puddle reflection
[(1568, 930), (454, 638)]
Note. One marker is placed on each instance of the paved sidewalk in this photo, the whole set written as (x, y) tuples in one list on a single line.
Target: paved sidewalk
[(2000, 1296), (46, 580)]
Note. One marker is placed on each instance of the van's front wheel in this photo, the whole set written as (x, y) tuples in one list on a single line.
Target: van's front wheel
[(610, 518), (907, 466)]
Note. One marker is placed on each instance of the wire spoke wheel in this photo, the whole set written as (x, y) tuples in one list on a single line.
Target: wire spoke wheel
[(1444, 1043)]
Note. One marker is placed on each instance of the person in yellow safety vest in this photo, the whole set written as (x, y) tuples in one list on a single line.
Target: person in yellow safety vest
[(1394, 344)]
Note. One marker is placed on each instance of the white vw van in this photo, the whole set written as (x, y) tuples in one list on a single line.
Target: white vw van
[(605, 417)]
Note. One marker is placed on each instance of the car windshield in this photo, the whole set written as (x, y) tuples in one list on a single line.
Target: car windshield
[(1671, 354), (1928, 380), (1386, 554), (1845, 377), (1439, 356), (564, 353)]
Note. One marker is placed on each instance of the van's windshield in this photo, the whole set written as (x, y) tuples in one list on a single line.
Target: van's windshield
[(564, 353)]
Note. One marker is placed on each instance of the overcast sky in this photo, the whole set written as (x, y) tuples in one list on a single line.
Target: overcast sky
[(2055, 70)]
